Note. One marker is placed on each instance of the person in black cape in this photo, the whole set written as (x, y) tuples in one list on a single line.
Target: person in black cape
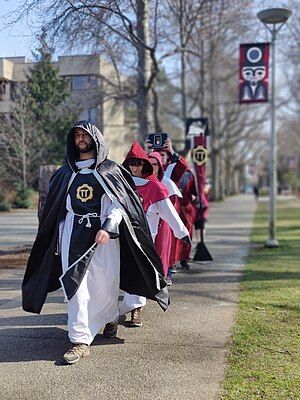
[(93, 239)]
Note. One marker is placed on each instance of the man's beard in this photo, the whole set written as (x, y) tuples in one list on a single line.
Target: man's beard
[(88, 147)]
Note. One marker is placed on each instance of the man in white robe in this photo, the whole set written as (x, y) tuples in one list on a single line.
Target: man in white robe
[(93, 239)]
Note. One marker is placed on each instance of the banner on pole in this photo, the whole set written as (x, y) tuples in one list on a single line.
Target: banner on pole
[(196, 133), (254, 72)]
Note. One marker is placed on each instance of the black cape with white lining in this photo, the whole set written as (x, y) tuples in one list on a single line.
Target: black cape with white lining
[(141, 270)]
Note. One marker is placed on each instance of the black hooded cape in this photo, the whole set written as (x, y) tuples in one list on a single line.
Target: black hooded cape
[(141, 270)]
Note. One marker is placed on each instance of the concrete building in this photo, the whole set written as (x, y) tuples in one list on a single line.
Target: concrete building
[(93, 86)]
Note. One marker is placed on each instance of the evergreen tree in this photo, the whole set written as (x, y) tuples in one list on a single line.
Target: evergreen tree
[(34, 133), (47, 95)]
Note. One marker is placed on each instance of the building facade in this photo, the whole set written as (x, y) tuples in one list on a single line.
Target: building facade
[(93, 85)]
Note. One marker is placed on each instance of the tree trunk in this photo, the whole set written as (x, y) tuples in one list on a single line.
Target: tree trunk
[(144, 68), (155, 108), (215, 169), (183, 67), (23, 139), (46, 171)]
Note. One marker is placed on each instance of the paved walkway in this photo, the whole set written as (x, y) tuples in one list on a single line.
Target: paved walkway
[(17, 228), (179, 354)]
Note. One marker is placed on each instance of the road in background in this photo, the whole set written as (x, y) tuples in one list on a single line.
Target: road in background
[(18, 228)]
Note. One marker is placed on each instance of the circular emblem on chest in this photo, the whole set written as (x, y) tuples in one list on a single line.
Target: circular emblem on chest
[(84, 193)]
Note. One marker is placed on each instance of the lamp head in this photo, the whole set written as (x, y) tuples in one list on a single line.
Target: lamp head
[(274, 15)]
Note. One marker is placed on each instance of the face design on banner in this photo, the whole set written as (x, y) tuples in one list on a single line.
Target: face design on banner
[(254, 74)]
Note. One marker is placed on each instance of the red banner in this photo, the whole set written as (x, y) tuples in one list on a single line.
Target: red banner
[(199, 157), (254, 72), (196, 133)]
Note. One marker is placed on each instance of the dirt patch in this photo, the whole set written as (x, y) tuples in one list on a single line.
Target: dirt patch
[(14, 256)]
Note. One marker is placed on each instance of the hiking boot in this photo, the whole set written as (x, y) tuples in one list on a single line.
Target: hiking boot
[(185, 265), (136, 317), (111, 329), (75, 352)]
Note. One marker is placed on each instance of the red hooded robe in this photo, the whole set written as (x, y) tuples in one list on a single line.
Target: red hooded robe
[(175, 169), (154, 190), (163, 239)]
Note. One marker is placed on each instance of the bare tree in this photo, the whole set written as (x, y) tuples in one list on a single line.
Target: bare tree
[(288, 114), (120, 28), (144, 65), (201, 37), (232, 125), (20, 147), (207, 47)]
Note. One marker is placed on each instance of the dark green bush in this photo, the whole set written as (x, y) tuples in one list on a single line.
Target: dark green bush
[(24, 196)]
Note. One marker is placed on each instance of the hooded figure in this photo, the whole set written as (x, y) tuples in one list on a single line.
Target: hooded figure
[(148, 186), (85, 197), (187, 212), (156, 204), (174, 168), (164, 238), (162, 177)]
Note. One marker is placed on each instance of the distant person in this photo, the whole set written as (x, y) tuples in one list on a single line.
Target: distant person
[(256, 192), (203, 210), (93, 238)]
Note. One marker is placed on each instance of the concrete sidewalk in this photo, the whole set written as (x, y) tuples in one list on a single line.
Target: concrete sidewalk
[(180, 354), (18, 228)]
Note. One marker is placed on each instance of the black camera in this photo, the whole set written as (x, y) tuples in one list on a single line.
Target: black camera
[(157, 140)]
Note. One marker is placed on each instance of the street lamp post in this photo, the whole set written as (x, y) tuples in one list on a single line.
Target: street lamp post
[(273, 19)]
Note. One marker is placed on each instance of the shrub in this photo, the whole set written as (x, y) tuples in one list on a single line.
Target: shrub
[(23, 196)]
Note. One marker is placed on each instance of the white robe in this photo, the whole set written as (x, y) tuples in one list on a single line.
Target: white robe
[(96, 301)]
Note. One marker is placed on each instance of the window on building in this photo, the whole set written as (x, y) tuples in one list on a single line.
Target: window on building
[(80, 82), (2, 89), (13, 90), (90, 115), (83, 82), (84, 115), (93, 80), (93, 115)]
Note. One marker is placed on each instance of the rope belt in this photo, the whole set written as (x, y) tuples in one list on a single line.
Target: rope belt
[(87, 217)]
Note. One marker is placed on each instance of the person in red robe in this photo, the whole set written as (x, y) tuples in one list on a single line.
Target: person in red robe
[(174, 167), (164, 238), (157, 206), (187, 212), (202, 214)]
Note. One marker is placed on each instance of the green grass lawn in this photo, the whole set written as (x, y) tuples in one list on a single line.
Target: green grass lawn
[(264, 359)]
